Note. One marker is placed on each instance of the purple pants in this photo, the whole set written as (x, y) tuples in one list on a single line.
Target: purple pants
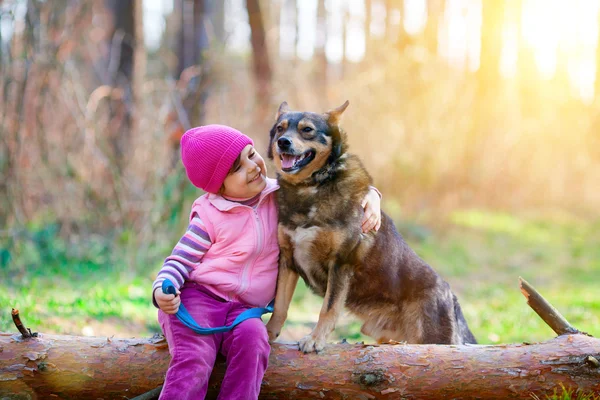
[(246, 348)]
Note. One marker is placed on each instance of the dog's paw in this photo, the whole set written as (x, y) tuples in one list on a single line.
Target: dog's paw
[(273, 330), (272, 335), (308, 344)]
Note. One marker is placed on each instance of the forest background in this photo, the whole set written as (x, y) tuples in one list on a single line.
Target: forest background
[(479, 121)]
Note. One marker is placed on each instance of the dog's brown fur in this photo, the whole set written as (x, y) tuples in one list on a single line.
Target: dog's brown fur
[(375, 275)]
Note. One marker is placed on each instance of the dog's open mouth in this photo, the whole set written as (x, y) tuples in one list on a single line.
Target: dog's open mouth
[(293, 162)]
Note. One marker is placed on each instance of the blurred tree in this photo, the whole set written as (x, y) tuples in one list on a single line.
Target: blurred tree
[(389, 32), (217, 15), (345, 18), (291, 11), (368, 19), (597, 83), (489, 84), (320, 56), (394, 30), (488, 75), (193, 69), (187, 32), (594, 133), (14, 67), (435, 14), (528, 76), (272, 16), (192, 35), (123, 41), (260, 57)]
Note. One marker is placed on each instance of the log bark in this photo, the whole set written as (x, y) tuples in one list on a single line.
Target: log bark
[(72, 367)]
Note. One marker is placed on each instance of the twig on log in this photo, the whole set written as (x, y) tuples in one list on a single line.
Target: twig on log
[(546, 311), (150, 395), (25, 332)]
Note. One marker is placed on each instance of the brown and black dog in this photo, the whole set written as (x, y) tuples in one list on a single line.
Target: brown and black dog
[(377, 276)]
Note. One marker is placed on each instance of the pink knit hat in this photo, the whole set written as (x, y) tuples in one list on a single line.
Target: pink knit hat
[(208, 153)]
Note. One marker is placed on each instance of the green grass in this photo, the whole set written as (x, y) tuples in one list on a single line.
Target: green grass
[(102, 286), (72, 288), (569, 394)]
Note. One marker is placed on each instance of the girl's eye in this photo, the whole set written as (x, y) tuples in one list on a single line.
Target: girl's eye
[(253, 154), (307, 129)]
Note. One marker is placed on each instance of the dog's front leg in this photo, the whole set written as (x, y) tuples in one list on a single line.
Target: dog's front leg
[(286, 284), (338, 282)]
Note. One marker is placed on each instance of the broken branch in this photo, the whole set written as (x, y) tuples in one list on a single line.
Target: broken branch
[(17, 320), (546, 311)]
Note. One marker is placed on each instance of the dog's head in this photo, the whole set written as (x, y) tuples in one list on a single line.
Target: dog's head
[(302, 143)]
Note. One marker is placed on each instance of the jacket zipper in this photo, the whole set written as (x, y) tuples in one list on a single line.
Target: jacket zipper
[(259, 247)]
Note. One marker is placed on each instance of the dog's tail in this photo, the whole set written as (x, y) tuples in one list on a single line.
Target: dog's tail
[(464, 332)]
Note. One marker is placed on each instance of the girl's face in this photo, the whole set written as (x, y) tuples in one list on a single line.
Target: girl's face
[(248, 178)]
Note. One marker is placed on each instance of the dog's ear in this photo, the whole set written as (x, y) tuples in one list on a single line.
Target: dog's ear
[(334, 116), (283, 108), (336, 151), (270, 148)]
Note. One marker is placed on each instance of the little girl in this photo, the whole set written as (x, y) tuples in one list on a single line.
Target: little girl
[(225, 263)]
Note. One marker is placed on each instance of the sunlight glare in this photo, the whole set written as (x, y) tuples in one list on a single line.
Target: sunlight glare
[(377, 27), (355, 35), (335, 40), (287, 32), (540, 25), (415, 16), (307, 29), (462, 27), (566, 35)]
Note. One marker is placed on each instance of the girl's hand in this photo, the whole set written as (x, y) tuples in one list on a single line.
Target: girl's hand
[(168, 303), (372, 217)]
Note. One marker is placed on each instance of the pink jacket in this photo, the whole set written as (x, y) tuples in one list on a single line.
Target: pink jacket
[(241, 263)]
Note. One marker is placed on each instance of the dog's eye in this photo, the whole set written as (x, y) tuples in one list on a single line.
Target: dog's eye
[(280, 128), (307, 129)]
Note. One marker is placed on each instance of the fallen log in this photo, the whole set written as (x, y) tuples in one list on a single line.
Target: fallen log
[(72, 367)]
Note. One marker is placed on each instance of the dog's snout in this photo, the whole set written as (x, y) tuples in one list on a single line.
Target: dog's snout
[(284, 143)]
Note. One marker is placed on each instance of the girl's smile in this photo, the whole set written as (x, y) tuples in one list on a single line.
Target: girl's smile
[(258, 176)]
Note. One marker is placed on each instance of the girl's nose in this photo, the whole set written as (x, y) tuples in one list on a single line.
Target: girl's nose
[(253, 166)]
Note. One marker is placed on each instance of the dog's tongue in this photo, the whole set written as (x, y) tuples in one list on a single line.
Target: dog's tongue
[(288, 161)]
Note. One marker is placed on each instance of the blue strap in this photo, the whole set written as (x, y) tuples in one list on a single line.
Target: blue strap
[(186, 319)]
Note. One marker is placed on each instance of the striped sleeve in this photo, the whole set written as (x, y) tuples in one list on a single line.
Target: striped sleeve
[(187, 253)]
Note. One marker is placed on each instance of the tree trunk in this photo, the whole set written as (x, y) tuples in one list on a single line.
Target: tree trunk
[(188, 54), (528, 75), (404, 39), (260, 58), (597, 82), (491, 44), (92, 367), (435, 15), (593, 138), (121, 68), (489, 78), (485, 112), (318, 79), (217, 15), (368, 20)]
